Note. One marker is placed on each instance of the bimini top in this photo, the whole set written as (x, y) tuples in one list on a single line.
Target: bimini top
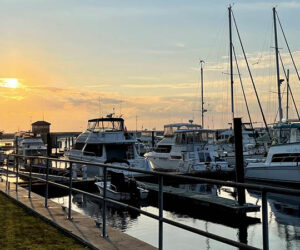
[(170, 128), (286, 125), (109, 124)]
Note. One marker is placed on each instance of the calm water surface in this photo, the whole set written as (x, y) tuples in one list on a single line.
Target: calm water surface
[(283, 219)]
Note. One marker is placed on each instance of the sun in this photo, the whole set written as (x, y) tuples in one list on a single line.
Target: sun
[(10, 83)]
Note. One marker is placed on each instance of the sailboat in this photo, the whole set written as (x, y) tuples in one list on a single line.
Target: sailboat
[(282, 162)]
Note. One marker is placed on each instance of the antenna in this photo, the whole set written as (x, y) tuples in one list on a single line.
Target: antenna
[(202, 98), (100, 107)]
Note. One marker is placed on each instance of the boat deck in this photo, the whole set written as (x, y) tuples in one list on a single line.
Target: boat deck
[(80, 227)]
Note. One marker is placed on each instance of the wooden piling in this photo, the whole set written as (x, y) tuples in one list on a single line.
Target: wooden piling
[(239, 159)]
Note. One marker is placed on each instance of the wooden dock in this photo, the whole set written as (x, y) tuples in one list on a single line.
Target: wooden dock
[(80, 227), (205, 200)]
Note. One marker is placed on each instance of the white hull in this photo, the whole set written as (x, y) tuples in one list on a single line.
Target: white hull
[(112, 194), (285, 174), (164, 163), (92, 171)]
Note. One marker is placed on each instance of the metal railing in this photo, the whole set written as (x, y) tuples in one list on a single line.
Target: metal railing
[(262, 188)]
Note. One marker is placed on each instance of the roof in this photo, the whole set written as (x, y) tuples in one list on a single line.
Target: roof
[(285, 125), (182, 124), (41, 123)]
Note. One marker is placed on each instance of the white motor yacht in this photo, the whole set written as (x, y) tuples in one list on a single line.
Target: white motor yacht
[(203, 160), (106, 141), (164, 157), (29, 144), (282, 162)]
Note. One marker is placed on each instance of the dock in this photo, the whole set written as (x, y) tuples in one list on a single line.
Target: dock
[(208, 201), (81, 227)]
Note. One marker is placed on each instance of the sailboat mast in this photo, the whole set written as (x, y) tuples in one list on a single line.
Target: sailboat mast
[(202, 98), (231, 64), (287, 93), (277, 67)]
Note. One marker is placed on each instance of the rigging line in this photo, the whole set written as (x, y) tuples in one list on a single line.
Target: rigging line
[(238, 70), (250, 74), (288, 47), (289, 88)]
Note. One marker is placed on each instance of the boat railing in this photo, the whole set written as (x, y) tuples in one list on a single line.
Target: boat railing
[(263, 189)]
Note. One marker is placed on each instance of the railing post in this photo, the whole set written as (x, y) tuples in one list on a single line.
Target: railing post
[(70, 193), (104, 235), (7, 163), (30, 182), (17, 173), (265, 228), (161, 207), (47, 183)]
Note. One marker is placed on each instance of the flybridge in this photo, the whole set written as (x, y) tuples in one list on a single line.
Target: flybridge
[(106, 124)]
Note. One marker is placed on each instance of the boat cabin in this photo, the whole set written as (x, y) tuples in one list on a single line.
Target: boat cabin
[(286, 133), (109, 124)]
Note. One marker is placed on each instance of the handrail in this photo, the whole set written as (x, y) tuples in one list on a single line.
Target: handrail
[(262, 188)]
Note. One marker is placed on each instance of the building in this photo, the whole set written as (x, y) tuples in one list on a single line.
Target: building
[(40, 127)]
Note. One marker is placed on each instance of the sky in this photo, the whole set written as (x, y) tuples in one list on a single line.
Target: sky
[(77, 60)]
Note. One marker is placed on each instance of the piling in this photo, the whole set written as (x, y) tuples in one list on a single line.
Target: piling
[(239, 159)]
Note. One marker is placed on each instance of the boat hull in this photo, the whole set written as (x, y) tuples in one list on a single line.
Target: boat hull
[(112, 194), (282, 174)]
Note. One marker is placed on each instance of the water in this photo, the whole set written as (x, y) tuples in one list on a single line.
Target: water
[(283, 219)]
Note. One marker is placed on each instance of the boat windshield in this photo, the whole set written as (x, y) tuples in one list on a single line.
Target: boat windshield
[(105, 125)]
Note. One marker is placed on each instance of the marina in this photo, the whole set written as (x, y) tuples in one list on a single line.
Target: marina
[(131, 152)]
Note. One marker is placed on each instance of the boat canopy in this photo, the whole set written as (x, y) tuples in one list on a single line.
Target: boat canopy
[(286, 125), (106, 125), (170, 128), (195, 136), (286, 133)]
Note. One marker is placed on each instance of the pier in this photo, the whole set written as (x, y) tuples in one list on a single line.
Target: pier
[(94, 233)]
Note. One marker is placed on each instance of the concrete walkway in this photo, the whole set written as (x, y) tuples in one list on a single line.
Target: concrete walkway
[(80, 227)]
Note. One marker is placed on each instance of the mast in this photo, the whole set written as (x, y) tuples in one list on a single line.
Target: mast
[(287, 93), (231, 64), (202, 98), (277, 67)]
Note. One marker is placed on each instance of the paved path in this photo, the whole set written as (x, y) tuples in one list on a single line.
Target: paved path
[(81, 227)]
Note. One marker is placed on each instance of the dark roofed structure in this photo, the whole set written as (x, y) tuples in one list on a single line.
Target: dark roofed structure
[(40, 123), (40, 127)]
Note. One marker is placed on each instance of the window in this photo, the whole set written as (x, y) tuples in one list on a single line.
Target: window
[(163, 149), (119, 152), (286, 157), (78, 146), (93, 150), (201, 157)]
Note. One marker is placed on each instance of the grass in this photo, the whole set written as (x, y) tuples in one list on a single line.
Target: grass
[(21, 230)]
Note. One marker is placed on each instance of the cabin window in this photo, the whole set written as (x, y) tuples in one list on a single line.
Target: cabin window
[(93, 150), (78, 146), (119, 152), (201, 157), (286, 157), (163, 149)]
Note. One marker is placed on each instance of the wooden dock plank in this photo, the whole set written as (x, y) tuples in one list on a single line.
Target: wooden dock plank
[(80, 227)]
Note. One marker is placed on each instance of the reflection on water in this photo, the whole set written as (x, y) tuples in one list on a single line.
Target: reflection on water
[(284, 217), (284, 220)]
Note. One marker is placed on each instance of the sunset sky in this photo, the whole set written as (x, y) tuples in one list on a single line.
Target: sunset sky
[(70, 61)]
